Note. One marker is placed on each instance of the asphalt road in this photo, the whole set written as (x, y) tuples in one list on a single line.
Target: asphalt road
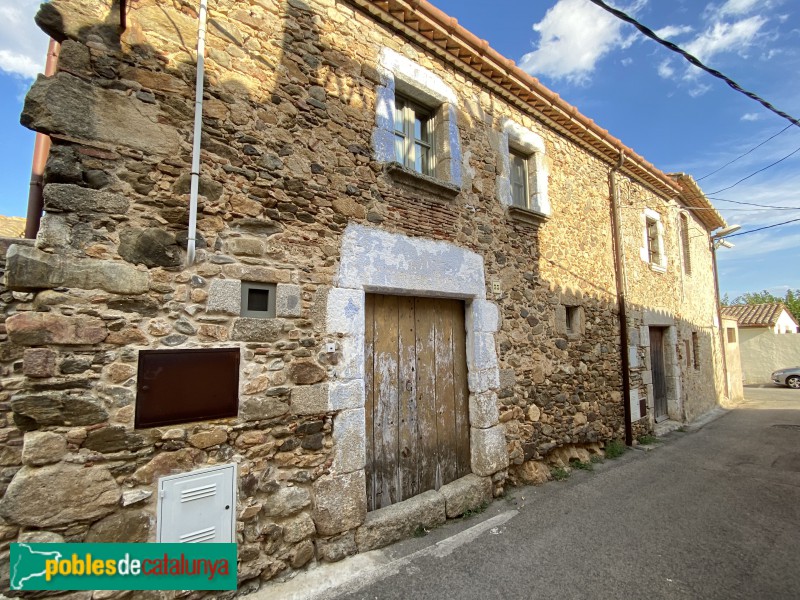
[(712, 513)]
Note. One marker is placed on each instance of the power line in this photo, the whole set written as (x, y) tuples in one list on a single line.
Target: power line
[(745, 154), (692, 59), (752, 204), (795, 151), (762, 228)]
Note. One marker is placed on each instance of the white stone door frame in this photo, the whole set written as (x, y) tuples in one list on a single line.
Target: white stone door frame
[(672, 370), (377, 261)]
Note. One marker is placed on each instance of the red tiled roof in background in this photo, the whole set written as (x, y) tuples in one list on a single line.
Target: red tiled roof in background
[(756, 315)]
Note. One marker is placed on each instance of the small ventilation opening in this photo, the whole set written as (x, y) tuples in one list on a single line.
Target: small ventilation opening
[(258, 300)]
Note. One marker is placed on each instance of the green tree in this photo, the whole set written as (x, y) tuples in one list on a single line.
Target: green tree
[(791, 300)]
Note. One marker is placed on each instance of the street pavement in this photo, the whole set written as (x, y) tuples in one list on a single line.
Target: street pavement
[(706, 513)]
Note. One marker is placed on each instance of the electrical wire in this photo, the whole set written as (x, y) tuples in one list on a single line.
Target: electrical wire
[(727, 164), (694, 60), (762, 228), (751, 204), (795, 151)]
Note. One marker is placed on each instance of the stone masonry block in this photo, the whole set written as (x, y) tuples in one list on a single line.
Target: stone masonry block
[(43, 448), (483, 316), (310, 399), (36, 329), (66, 197), (225, 296), (346, 312), (399, 521), (467, 493), (488, 449), (346, 394), (287, 300), (39, 362), (481, 353), (349, 441), (351, 364), (30, 269), (644, 335), (340, 502), (483, 381), (483, 412)]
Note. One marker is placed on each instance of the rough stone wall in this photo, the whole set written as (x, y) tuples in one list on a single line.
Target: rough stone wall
[(672, 298), (287, 163)]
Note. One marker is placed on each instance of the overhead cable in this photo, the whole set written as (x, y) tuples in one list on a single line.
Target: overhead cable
[(745, 154), (752, 204), (792, 153), (762, 228), (694, 60)]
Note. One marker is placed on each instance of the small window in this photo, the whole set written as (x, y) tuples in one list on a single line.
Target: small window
[(687, 254), (520, 190), (413, 136), (573, 319), (688, 353), (653, 246), (258, 300), (731, 335), (696, 349)]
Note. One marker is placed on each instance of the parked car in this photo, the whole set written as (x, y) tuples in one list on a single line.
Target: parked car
[(789, 377)]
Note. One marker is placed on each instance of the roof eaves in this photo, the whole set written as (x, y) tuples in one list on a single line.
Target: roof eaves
[(693, 197), (435, 30)]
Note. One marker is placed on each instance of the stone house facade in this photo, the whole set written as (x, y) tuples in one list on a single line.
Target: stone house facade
[(405, 249)]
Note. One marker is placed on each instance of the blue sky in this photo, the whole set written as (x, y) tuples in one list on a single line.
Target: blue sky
[(676, 116)]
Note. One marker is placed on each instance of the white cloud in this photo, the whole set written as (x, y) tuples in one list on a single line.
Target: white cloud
[(665, 69), (751, 116), (699, 90), (23, 46), (671, 31), (725, 37), (740, 7), (627, 61), (574, 36)]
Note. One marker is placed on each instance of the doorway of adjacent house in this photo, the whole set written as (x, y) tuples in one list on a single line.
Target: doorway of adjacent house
[(658, 369), (417, 400)]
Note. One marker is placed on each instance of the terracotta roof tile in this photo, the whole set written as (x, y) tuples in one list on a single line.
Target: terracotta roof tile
[(755, 315)]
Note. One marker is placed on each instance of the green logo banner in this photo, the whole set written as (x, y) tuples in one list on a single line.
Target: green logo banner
[(123, 567)]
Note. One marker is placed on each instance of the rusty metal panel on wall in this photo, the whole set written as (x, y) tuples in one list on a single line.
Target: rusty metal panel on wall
[(179, 386)]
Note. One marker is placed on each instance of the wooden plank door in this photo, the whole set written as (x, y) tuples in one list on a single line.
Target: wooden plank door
[(659, 373), (417, 400)]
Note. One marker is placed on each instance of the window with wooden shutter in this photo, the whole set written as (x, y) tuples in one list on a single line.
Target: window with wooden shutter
[(687, 254)]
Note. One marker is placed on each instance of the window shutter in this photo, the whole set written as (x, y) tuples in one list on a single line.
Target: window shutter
[(197, 507)]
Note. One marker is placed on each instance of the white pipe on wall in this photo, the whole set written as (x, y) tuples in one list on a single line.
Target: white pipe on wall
[(198, 128)]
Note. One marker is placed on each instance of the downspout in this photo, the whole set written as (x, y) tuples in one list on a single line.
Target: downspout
[(198, 128), (621, 280), (41, 150)]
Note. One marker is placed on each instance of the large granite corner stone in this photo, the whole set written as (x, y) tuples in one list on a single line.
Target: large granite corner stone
[(64, 197), (30, 269), (256, 330), (340, 502), (399, 521), (59, 495), (64, 104)]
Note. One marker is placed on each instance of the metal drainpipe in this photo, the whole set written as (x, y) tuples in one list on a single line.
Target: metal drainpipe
[(198, 128), (41, 150), (619, 271)]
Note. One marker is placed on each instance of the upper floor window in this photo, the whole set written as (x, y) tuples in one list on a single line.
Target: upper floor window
[(522, 173), (687, 255), (414, 133), (652, 250), (518, 163), (653, 247), (415, 123)]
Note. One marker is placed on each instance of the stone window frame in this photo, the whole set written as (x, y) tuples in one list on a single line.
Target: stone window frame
[(648, 217), (401, 75), (522, 141), (377, 261)]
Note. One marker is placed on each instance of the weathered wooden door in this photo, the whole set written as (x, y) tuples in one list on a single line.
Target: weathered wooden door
[(659, 373), (417, 400)]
